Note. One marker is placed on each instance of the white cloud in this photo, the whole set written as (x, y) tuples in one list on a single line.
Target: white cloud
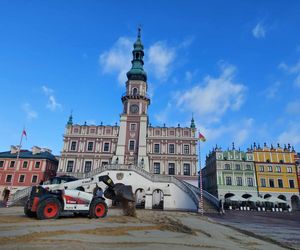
[(212, 98), (46, 90), (118, 58), (237, 132), (30, 113), (273, 90), (293, 108), (160, 58), (52, 103), (291, 135), (293, 70), (259, 31)]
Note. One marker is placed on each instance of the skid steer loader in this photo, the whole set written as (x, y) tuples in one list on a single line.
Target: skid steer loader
[(50, 202)]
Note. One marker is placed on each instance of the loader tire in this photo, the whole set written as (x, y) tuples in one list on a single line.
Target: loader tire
[(98, 209), (28, 211), (48, 209)]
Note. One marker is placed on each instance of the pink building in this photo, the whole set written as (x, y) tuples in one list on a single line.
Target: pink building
[(29, 169), (159, 150)]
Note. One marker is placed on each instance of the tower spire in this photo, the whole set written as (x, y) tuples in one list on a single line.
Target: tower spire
[(70, 121), (137, 71), (193, 126)]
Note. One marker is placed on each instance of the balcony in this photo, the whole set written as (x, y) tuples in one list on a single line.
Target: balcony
[(137, 95)]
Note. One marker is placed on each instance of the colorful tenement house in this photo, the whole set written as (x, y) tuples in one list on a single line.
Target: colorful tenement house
[(29, 169), (297, 162), (230, 173), (159, 150), (276, 173)]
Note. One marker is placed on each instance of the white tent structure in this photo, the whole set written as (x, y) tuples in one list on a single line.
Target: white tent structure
[(257, 199), (275, 200), (236, 198)]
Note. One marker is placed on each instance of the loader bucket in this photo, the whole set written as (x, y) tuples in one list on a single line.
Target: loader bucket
[(119, 192)]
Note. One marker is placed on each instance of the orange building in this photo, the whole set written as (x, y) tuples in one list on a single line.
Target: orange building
[(276, 173)]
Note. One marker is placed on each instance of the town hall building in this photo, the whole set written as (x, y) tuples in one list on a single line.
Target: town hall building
[(157, 150)]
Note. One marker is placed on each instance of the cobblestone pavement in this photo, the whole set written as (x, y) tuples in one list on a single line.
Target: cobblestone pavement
[(283, 227), (149, 230)]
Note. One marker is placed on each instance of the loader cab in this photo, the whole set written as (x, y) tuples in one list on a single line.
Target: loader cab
[(60, 179)]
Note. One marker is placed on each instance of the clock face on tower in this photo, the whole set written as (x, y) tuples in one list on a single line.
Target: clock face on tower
[(134, 108)]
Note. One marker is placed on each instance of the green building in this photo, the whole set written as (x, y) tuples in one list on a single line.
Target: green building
[(230, 174)]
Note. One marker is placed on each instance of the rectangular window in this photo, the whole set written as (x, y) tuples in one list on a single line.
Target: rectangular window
[(88, 166), (271, 183), (261, 169), (248, 167), (186, 149), (280, 183), (131, 145), (186, 169), (37, 164), (106, 147), (250, 182), (8, 178), (228, 181), (21, 178), (132, 126), (278, 169), (171, 168), (70, 166), (291, 182), (156, 168), (34, 179), (227, 167), (1, 164), (171, 148), (104, 163), (289, 169), (237, 167), (90, 146), (73, 145), (12, 164), (156, 148), (270, 169), (25, 164), (263, 182), (239, 181)]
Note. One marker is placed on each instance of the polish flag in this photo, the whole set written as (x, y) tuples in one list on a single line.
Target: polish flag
[(24, 133)]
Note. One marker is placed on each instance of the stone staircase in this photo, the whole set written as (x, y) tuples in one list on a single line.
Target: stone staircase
[(18, 197), (210, 202), (191, 190)]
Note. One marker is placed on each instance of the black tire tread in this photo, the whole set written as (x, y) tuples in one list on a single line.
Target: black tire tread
[(92, 208), (41, 206), (27, 211)]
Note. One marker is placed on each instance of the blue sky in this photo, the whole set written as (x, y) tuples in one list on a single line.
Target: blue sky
[(235, 65)]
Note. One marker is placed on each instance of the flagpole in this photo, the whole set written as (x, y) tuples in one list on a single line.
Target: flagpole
[(200, 177), (15, 168)]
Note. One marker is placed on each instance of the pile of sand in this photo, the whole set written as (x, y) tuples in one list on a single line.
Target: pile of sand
[(128, 208)]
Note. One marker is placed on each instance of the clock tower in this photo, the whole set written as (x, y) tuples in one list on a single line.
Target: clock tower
[(131, 147)]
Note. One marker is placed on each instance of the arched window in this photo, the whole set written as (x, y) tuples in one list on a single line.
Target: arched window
[(134, 91)]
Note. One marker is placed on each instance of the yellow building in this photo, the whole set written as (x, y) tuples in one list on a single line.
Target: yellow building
[(276, 174)]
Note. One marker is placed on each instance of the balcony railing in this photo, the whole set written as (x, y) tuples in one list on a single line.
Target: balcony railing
[(137, 95)]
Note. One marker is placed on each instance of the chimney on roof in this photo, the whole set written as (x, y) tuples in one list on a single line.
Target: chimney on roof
[(13, 149), (46, 150), (36, 150)]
